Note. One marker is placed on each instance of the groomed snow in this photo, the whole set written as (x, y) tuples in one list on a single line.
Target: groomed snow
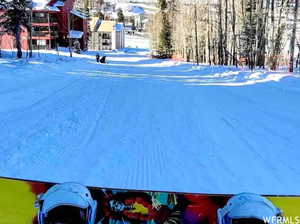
[(149, 124)]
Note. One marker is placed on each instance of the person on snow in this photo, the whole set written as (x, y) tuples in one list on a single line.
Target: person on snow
[(101, 60), (68, 203), (98, 57), (248, 208)]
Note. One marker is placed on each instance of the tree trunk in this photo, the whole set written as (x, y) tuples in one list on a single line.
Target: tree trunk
[(220, 44), (251, 58), (226, 33), (298, 56), (260, 37), (292, 43), (273, 22), (196, 36), (208, 34), (277, 39), (30, 34), (234, 60), (18, 42)]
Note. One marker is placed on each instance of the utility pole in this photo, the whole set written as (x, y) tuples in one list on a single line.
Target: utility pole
[(293, 38)]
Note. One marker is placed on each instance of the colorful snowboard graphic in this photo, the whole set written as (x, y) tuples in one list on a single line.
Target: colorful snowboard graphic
[(18, 200)]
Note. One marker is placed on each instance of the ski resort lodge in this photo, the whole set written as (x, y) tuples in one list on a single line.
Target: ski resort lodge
[(107, 35), (53, 22)]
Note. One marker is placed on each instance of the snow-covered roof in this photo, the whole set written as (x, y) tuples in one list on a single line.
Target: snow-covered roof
[(97, 25), (109, 26), (119, 27), (52, 8), (75, 34), (94, 23), (129, 9), (44, 5), (79, 14), (40, 4), (59, 4), (137, 9)]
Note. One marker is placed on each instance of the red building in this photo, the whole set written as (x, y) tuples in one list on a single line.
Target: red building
[(50, 26)]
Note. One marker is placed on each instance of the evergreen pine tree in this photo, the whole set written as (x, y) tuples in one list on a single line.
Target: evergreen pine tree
[(165, 37), (162, 4), (101, 15), (2, 4), (121, 17), (16, 15)]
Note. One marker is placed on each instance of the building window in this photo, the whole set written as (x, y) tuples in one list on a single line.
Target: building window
[(41, 42), (39, 14), (105, 36)]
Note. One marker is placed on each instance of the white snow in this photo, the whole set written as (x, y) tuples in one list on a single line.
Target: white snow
[(79, 14), (40, 4), (136, 42), (119, 27), (134, 9), (137, 10), (75, 34), (142, 123), (59, 4)]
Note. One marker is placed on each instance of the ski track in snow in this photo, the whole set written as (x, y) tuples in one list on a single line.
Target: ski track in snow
[(149, 124)]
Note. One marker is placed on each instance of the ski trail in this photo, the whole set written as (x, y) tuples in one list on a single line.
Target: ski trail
[(148, 124), (41, 129), (13, 115)]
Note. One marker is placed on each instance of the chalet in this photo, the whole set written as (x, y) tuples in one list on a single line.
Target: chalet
[(51, 21), (107, 35)]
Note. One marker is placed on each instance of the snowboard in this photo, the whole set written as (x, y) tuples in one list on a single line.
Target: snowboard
[(18, 197)]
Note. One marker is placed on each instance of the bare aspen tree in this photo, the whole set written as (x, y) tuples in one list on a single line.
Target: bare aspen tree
[(292, 42), (220, 30), (228, 32), (234, 59), (278, 31), (208, 34), (196, 35)]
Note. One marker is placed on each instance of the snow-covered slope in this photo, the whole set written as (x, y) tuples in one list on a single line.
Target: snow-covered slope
[(138, 7), (132, 1), (142, 123)]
